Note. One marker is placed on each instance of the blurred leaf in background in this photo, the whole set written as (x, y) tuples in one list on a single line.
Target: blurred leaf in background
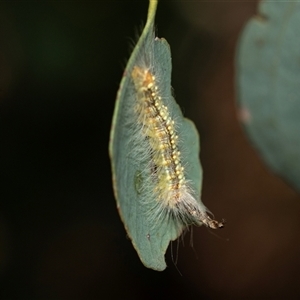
[(268, 77)]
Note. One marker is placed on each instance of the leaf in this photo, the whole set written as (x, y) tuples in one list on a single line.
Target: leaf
[(150, 239), (268, 83)]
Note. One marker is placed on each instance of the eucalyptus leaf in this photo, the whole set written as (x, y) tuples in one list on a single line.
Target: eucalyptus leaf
[(150, 239)]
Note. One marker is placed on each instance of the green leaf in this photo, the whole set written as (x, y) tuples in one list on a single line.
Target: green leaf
[(150, 239), (268, 82)]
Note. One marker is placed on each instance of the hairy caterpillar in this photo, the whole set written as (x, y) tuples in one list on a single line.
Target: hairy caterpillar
[(158, 137)]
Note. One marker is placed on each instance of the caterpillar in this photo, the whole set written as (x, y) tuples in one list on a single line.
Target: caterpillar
[(157, 132)]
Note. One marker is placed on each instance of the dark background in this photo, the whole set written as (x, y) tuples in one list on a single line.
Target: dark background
[(60, 234)]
